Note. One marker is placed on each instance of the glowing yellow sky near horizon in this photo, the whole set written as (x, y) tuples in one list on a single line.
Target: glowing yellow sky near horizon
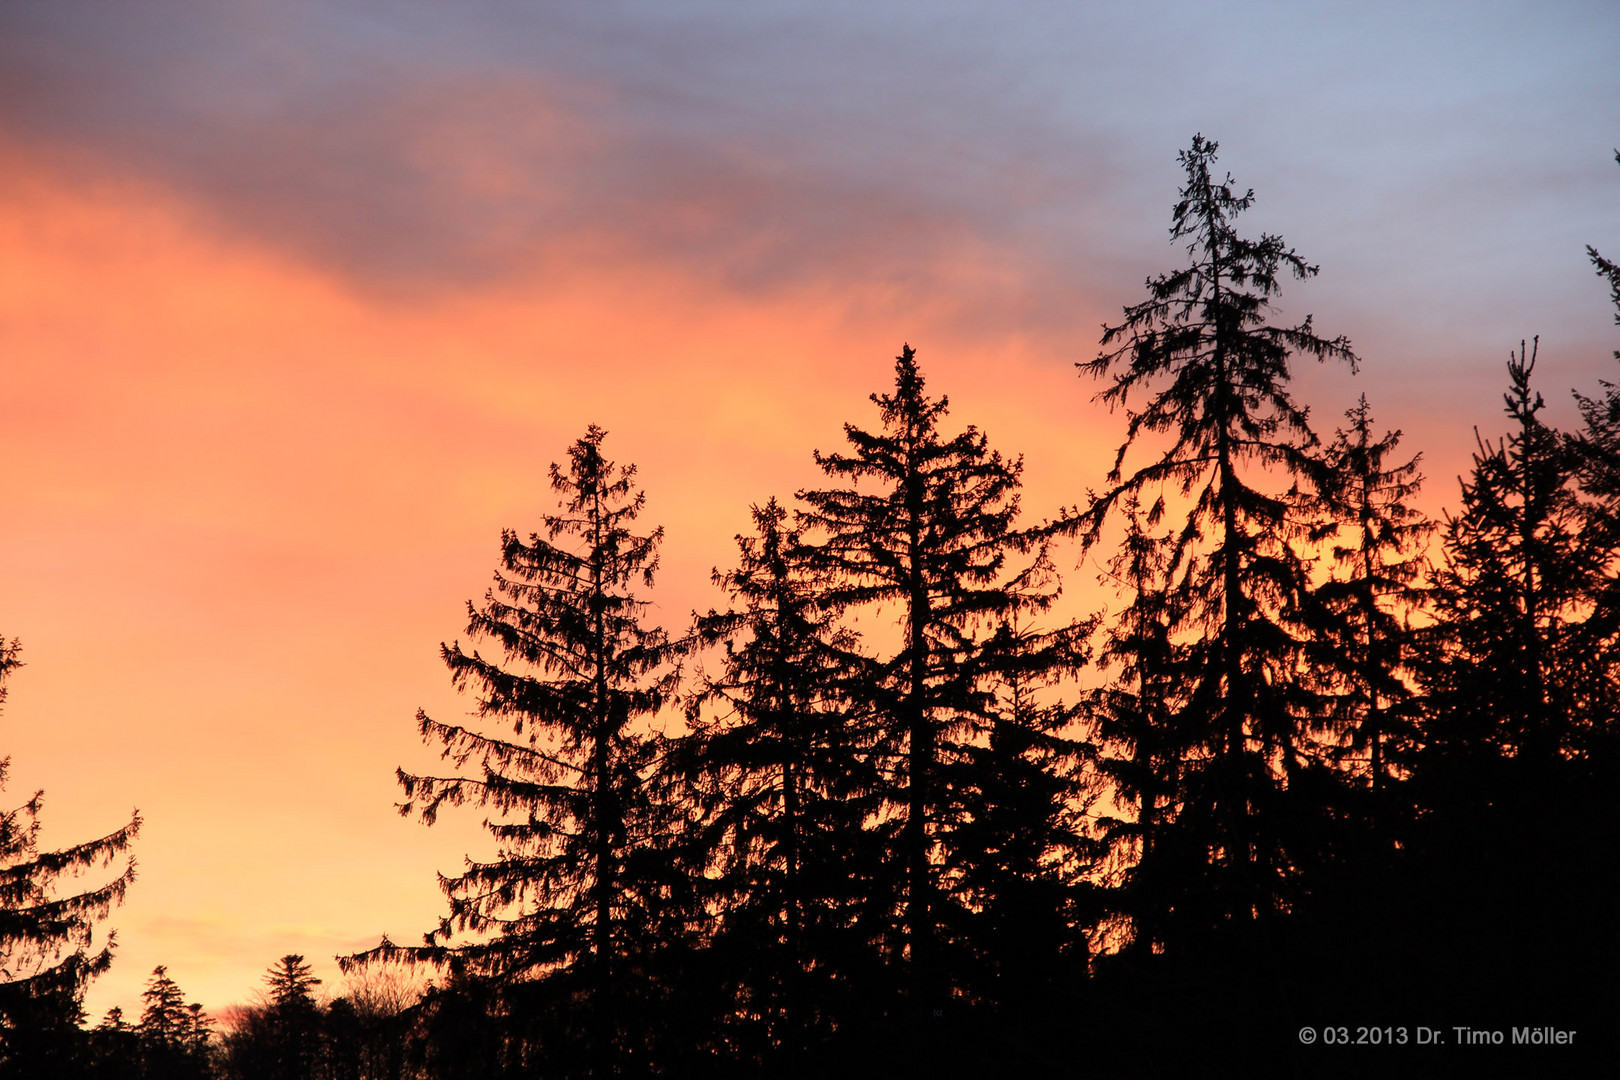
[(244, 504)]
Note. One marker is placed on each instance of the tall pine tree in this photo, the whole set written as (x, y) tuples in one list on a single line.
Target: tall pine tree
[(1512, 665), (1214, 373), (1600, 438), (781, 750), (1020, 845), (1517, 825), (1378, 543), (282, 1038), (171, 1041), (927, 532), (579, 893)]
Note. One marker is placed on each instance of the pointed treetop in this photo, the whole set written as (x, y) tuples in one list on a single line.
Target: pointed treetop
[(909, 404), (1202, 199), (587, 466), (1608, 271), (292, 983), (1523, 403)]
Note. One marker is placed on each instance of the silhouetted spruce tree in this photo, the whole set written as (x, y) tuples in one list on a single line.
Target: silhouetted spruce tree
[(283, 1039), (924, 533), (582, 890), (45, 938), (1364, 658), (295, 1016), (780, 754), (1517, 825), (1594, 845), (1511, 669), (172, 1037), (111, 1047), (1597, 447), (1378, 544), (1215, 374), (1609, 271), (1600, 436)]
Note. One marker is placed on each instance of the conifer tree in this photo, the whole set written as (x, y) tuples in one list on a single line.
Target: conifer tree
[(110, 1047), (1214, 373), (163, 1008), (925, 531), (580, 889), (1512, 656), (1518, 827), (282, 1039), (1378, 542), (1597, 449), (46, 937), (172, 1036), (1609, 271), (781, 746)]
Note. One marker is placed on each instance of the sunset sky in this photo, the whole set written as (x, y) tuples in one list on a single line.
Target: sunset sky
[(299, 301)]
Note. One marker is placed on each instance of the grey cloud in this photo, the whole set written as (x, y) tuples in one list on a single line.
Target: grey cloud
[(422, 153), (416, 146)]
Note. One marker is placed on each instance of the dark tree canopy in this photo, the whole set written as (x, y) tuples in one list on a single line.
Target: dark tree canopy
[(291, 983), (580, 884), (1378, 540), (781, 760), (284, 1038), (926, 530), (1135, 716), (172, 1038), (1516, 669), (1020, 844), (1609, 272), (1200, 369), (1597, 450)]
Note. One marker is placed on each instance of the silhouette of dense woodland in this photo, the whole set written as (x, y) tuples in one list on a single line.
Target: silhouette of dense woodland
[(1323, 761)]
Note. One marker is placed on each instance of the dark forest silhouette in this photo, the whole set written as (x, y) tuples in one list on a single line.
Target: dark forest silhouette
[(1325, 763)]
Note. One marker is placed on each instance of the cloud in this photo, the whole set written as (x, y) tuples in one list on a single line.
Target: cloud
[(403, 167), (959, 169)]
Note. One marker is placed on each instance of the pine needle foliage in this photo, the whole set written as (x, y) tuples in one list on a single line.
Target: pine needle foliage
[(1512, 669), (580, 888), (172, 1036), (1378, 541), (1609, 272), (1597, 448), (1199, 367), (781, 758), (1135, 716), (284, 1037), (1020, 838), (46, 931), (926, 532)]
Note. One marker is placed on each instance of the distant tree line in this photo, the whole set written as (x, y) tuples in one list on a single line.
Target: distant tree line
[(1323, 761)]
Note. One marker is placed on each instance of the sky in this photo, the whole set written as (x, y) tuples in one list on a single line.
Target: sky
[(298, 302)]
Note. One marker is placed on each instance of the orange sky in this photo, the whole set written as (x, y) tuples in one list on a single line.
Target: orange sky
[(284, 351), (244, 506)]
